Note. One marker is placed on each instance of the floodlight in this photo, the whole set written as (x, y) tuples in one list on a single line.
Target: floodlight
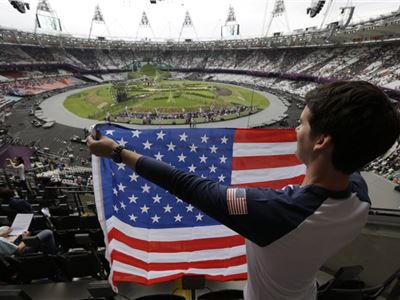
[(19, 5)]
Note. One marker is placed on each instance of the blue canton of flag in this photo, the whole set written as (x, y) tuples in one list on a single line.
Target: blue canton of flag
[(140, 203)]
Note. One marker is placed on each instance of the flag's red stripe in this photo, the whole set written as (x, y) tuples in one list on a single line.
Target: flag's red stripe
[(119, 276), (207, 264), (264, 135), (275, 184), (264, 162), (178, 246)]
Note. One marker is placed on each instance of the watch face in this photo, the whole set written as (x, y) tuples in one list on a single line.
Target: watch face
[(116, 154)]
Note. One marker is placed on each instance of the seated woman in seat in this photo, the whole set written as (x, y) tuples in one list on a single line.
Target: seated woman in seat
[(10, 245)]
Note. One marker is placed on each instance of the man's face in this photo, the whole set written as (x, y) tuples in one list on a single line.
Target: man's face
[(305, 143)]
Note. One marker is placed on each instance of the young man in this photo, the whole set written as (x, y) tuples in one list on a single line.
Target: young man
[(291, 232)]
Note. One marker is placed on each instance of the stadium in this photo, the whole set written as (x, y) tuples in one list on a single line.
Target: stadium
[(54, 86)]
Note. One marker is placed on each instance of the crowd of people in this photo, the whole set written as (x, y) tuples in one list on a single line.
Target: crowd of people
[(388, 166), (202, 115), (377, 63), (38, 85)]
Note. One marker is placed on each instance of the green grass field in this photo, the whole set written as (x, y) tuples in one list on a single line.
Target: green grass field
[(165, 96)]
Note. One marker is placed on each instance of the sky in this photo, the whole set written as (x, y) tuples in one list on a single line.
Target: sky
[(122, 17)]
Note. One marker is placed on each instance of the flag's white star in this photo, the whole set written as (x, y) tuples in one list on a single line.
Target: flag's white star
[(121, 187), (167, 208), (213, 149), (121, 166), (178, 200), (193, 148), (136, 133), (147, 145), (192, 168), (189, 208), (123, 206), (160, 135), (212, 168), (204, 138), (109, 132), (199, 217), (132, 199), (183, 137), (224, 140), (178, 218), (171, 147), (144, 209), (156, 199), (203, 158), (223, 159), (202, 176), (115, 192), (134, 177), (158, 156), (122, 142), (182, 157), (116, 209), (132, 217), (221, 178), (145, 188), (155, 218)]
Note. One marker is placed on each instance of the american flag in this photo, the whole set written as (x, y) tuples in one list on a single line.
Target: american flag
[(153, 236)]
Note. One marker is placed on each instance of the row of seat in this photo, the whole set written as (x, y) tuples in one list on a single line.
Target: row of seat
[(40, 222), (84, 260), (61, 267)]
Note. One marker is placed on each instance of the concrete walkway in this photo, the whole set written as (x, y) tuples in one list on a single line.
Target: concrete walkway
[(54, 109)]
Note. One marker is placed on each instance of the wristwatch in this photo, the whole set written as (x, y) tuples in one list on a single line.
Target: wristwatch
[(116, 154)]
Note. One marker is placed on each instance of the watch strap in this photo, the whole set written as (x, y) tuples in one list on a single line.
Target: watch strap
[(116, 154)]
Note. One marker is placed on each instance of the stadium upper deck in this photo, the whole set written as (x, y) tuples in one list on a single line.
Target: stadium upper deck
[(383, 28)]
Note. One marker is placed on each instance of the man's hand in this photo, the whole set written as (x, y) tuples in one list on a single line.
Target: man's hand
[(102, 147), (5, 231)]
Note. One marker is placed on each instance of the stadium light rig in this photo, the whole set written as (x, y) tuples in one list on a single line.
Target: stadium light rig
[(315, 8), (20, 5)]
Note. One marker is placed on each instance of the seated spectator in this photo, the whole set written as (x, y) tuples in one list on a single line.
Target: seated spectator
[(10, 245), (7, 196)]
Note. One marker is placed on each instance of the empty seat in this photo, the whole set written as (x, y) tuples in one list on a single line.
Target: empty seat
[(7, 273), (222, 295), (39, 223), (66, 222), (60, 210), (34, 266), (161, 297), (90, 222), (79, 264), (4, 221), (344, 286)]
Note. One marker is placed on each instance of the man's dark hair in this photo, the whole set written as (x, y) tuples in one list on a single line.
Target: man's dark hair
[(19, 160), (359, 117), (5, 195)]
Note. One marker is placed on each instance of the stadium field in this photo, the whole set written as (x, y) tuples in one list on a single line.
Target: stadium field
[(162, 97)]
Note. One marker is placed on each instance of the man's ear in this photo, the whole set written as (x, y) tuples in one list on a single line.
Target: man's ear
[(322, 142)]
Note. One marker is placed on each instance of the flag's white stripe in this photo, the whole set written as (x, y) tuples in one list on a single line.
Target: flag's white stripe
[(178, 257), (125, 268), (263, 149), (170, 234), (261, 175), (98, 193), (99, 201)]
